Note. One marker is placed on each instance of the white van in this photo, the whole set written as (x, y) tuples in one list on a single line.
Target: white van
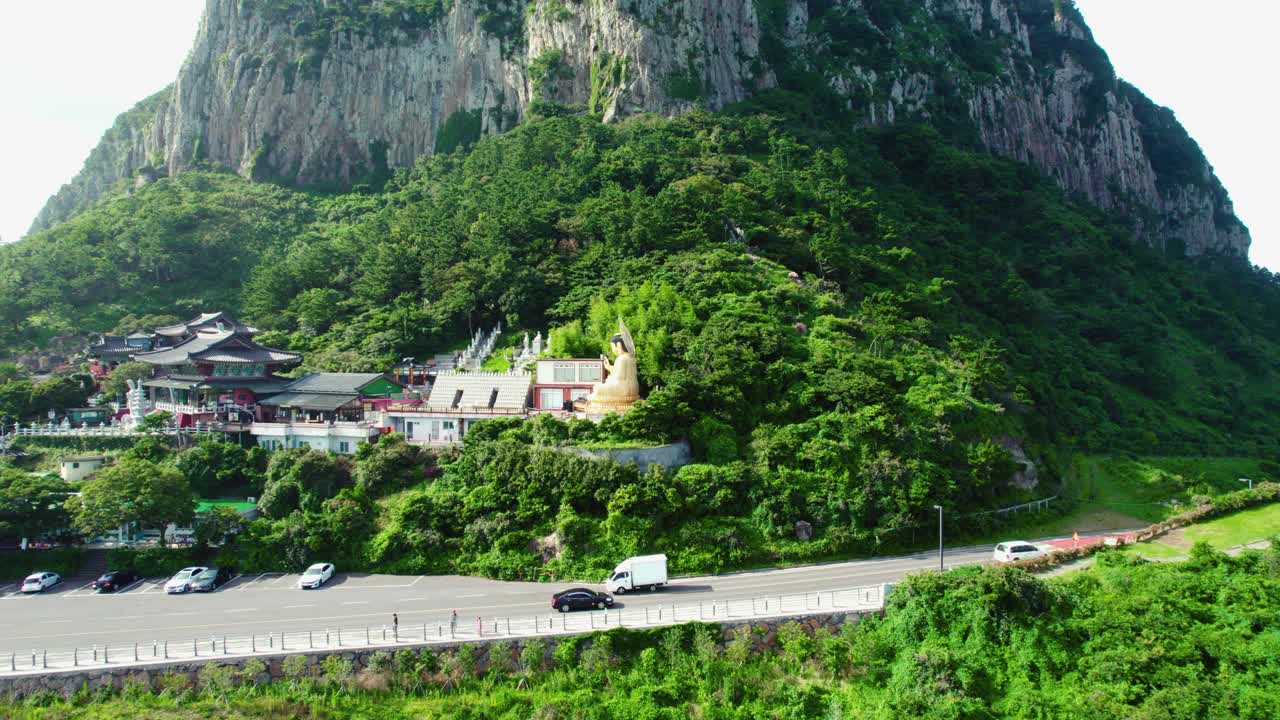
[(646, 572)]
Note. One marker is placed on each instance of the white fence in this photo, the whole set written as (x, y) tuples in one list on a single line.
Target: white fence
[(442, 630), (1036, 505)]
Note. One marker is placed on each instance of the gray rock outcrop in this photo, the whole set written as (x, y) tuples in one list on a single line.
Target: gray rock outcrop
[(303, 93)]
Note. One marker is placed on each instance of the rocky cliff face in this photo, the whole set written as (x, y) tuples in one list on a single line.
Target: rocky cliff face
[(329, 92)]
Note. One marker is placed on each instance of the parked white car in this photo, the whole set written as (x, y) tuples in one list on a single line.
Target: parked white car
[(1013, 550), (316, 575), (181, 582), (40, 581)]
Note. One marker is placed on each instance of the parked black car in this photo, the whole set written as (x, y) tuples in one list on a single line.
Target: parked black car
[(211, 579), (580, 599), (115, 580)]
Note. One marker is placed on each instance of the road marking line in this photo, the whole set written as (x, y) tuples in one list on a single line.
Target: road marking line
[(127, 617), (357, 602), (461, 597), (410, 599), (54, 622), (237, 610), (415, 582), (130, 586), (76, 590), (294, 607), (181, 613)]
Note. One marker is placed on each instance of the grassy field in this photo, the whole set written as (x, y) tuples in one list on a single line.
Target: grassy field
[(1103, 493), (1239, 528)]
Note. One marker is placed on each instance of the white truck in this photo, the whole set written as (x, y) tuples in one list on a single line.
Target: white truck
[(646, 572)]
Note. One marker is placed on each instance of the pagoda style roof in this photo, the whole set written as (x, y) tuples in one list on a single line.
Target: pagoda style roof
[(205, 321), (226, 347)]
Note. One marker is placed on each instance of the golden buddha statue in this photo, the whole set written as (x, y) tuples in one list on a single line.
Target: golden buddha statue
[(622, 388)]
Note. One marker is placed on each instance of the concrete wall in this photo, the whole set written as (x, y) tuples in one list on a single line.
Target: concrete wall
[(762, 632), (672, 457)]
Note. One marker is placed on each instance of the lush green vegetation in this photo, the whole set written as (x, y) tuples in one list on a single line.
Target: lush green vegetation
[(166, 248), (849, 328), (1124, 639)]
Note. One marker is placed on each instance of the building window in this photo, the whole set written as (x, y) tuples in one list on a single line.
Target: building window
[(344, 447), (564, 373), (589, 372), (578, 394), (550, 398), (75, 466)]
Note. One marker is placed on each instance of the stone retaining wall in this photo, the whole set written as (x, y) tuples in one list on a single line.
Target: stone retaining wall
[(763, 633), (671, 457)]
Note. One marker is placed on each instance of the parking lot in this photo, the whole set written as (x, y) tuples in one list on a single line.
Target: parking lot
[(241, 583)]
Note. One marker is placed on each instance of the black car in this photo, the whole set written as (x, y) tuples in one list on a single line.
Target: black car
[(115, 580), (580, 599), (211, 579)]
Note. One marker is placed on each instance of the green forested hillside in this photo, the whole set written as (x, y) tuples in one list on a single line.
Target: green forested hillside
[(848, 327), (172, 247)]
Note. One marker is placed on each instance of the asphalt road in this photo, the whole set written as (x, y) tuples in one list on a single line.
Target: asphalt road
[(73, 615)]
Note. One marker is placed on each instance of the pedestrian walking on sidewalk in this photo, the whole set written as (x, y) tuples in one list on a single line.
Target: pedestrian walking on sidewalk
[(395, 627), (453, 623), (1076, 537)]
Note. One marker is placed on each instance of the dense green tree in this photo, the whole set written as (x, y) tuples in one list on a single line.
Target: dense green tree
[(132, 491), (30, 505), (116, 384), (388, 465), (215, 469)]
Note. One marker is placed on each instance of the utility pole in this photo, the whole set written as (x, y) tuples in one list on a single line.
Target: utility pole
[(941, 565)]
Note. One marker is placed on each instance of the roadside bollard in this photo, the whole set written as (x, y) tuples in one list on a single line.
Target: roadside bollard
[(339, 636), (384, 633), (508, 625), (75, 657), (104, 654), (366, 634), (224, 645), (326, 637), (311, 641), (33, 657), (155, 649), (13, 662), (253, 642), (195, 647), (135, 652), (95, 653), (166, 649), (44, 659), (282, 640)]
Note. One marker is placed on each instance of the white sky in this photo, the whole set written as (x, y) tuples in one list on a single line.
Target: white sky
[(68, 67)]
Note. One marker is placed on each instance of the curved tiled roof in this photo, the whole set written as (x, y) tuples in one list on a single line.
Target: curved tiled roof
[(203, 321), (227, 347)]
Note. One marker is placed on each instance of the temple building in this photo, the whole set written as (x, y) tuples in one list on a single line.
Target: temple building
[(112, 350), (457, 400), (213, 371), (324, 411), (560, 384)]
